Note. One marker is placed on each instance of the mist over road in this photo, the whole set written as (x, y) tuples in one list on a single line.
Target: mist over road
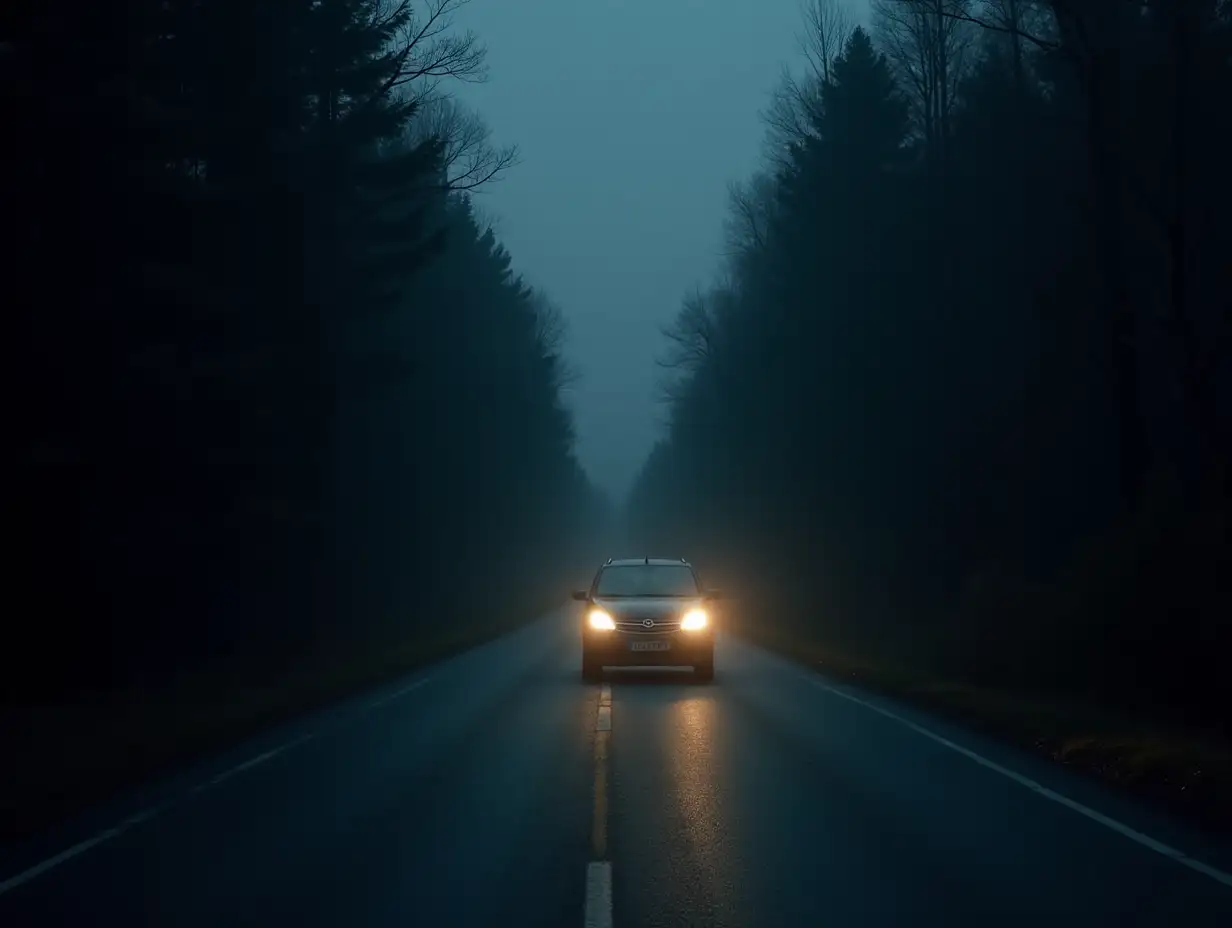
[(496, 788)]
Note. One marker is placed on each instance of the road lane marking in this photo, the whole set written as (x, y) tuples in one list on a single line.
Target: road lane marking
[(598, 909), (132, 821), (598, 895), (397, 694), (598, 829), (37, 870), (603, 734), (1120, 828), (250, 763), (77, 850)]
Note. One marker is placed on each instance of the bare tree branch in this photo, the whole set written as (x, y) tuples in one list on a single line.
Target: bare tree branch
[(827, 25), (427, 49), (1013, 18), (1008, 28), (750, 211), (789, 116), (795, 103), (690, 342), (551, 333), (928, 44), (690, 335), (551, 329), (469, 159), (1070, 30)]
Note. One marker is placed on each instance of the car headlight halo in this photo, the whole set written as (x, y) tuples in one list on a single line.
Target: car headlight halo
[(694, 620), (600, 621)]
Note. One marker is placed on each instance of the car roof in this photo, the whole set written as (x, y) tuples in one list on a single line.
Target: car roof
[(661, 561)]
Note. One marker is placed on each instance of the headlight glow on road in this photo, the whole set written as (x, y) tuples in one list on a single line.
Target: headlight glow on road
[(694, 620), (600, 621)]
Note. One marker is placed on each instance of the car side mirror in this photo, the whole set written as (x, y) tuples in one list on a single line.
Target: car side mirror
[(713, 594), (581, 595)]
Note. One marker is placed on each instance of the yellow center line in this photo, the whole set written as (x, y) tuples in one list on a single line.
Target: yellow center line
[(603, 732), (598, 910)]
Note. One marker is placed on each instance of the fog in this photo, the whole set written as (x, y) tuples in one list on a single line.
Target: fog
[(631, 119), (922, 353)]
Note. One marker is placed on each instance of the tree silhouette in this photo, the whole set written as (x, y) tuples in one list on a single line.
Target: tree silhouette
[(948, 418), (292, 406)]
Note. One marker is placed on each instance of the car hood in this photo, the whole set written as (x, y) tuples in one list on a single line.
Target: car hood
[(644, 607)]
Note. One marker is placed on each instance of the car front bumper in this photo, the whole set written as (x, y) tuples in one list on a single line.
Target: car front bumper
[(617, 649)]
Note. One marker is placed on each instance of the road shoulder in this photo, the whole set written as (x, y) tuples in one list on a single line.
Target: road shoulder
[(1184, 776)]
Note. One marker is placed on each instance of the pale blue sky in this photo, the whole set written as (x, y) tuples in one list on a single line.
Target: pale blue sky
[(631, 117)]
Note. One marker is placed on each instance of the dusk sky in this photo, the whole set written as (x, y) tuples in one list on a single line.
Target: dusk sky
[(631, 118)]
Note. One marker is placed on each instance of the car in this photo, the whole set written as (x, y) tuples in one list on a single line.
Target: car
[(647, 611)]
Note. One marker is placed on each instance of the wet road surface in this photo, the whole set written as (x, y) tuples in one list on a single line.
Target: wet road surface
[(498, 789)]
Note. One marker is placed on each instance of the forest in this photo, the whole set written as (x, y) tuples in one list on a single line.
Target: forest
[(283, 413), (286, 420), (957, 403)]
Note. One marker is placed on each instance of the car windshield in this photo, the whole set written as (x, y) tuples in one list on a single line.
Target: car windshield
[(647, 580)]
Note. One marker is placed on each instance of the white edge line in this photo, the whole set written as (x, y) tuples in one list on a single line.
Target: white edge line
[(250, 763), (397, 694), (1145, 840), (115, 831), (77, 849), (39, 869), (598, 912), (604, 721)]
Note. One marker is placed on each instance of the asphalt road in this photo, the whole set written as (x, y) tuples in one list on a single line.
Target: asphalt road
[(497, 789)]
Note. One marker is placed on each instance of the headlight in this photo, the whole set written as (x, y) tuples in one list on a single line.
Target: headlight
[(694, 620), (600, 621)]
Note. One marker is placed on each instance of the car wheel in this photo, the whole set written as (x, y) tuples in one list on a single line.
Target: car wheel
[(591, 671), (704, 673)]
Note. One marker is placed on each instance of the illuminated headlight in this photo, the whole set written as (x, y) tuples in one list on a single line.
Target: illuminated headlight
[(694, 620), (600, 621)]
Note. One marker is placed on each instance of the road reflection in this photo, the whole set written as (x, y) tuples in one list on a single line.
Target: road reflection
[(701, 805)]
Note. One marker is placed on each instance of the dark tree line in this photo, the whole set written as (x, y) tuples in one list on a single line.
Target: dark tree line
[(276, 393), (960, 398)]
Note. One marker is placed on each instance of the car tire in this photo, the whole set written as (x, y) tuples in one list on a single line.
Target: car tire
[(704, 673), (592, 671)]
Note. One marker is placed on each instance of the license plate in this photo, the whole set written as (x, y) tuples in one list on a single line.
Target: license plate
[(649, 645)]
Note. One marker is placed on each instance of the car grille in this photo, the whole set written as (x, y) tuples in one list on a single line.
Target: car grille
[(635, 626)]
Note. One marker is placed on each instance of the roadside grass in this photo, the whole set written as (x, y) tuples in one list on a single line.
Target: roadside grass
[(63, 759), (1187, 773)]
